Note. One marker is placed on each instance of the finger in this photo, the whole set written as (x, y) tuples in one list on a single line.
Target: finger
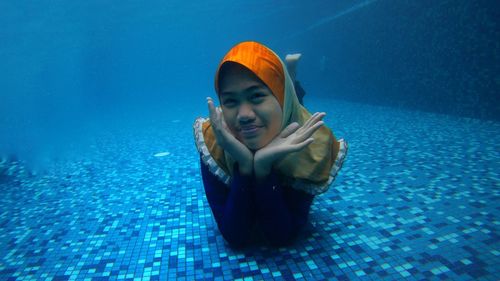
[(211, 106), (308, 122), (315, 118), (223, 121), (220, 116), (311, 130), (290, 129), (301, 145), (214, 113)]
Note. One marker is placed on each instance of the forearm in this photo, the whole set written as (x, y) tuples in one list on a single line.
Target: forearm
[(232, 208), (262, 167), (282, 210), (245, 160), (238, 216), (272, 210)]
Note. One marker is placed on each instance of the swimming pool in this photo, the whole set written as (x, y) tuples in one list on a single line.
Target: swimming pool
[(417, 199)]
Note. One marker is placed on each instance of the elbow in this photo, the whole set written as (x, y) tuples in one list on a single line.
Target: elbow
[(235, 238), (235, 241), (281, 235), (282, 239)]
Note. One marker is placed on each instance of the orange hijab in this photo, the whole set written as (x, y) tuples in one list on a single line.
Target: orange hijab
[(312, 169)]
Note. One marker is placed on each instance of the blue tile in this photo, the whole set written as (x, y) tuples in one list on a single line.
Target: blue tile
[(420, 204)]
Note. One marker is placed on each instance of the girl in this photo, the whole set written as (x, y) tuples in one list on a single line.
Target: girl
[(263, 155)]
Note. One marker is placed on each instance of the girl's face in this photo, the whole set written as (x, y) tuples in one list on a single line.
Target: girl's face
[(252, 113)]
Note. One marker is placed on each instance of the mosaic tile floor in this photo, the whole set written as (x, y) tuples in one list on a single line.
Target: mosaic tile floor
[(417, 199)]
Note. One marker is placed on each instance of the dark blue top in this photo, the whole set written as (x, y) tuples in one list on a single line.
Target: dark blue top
[(279, 211)]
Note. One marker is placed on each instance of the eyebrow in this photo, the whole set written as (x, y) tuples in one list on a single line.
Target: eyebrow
[(249, 89)]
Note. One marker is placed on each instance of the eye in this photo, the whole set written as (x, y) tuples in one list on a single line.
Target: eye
[(229, 102), (258, 97)]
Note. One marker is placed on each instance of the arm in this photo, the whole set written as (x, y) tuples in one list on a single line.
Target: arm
[(282, 211), (240, 153), (232, 208), (292, 139)]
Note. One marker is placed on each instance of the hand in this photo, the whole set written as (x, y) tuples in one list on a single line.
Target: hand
[(240, 153), (292, 139)]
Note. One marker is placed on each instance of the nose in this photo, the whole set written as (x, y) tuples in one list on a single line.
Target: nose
[(245, 113)]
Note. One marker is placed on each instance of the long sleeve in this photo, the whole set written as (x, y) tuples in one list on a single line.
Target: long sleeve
[(232, 207), (282, 211)]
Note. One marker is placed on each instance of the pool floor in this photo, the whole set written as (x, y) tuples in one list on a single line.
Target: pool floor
[(417, 199)]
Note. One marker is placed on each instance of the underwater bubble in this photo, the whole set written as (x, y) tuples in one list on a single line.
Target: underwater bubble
[(162, 154)]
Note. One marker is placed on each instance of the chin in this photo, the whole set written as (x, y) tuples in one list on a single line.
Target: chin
[(254, 146)]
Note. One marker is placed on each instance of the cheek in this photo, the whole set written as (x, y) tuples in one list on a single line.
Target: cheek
[(274, 121), (230, 119), (277, 117)]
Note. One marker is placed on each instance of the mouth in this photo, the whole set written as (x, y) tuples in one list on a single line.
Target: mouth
[(249, 131)]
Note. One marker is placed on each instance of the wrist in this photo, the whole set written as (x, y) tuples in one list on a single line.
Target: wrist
[(245, 163), (245, 169), (262, 170)]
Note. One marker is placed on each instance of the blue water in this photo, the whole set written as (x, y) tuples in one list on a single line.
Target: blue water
[(91, 92)]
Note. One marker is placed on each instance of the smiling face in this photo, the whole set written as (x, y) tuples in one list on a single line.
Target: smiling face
[(250, 109)]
